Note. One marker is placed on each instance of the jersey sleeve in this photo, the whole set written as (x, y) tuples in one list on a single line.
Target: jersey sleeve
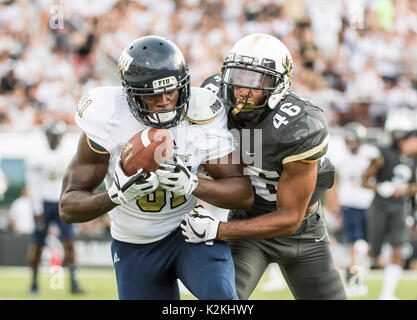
[(93, 116)]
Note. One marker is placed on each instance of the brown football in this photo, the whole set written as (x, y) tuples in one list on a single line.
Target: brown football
[(146, 150)]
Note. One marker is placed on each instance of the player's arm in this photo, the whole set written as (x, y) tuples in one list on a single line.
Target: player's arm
[(385, 189), (370, 172), (296, 185), (332, 200), (229, 189), (79, 202)]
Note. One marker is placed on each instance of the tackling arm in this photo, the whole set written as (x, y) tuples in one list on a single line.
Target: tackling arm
[(230, 189), (79, 202), (296, 186)]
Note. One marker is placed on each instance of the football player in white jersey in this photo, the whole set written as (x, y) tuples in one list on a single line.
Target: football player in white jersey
[(350, 200), (44, 178), (148, 250)]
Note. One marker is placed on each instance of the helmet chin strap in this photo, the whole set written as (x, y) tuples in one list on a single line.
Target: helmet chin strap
[(278, 95), (162, 117)]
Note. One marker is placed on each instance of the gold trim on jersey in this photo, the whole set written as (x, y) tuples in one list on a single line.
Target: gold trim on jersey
[(308, 153), (310, 161), (94, 149), (200, 121), (379, 160)]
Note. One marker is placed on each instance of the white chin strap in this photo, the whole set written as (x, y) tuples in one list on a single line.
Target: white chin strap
[(163, 117)]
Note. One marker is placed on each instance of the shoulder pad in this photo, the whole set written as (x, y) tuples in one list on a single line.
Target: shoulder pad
[(204, 106), (95, 112), (301, 130), (296, 119)]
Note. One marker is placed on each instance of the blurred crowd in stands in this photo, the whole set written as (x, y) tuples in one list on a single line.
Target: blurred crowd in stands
[(356, 58)]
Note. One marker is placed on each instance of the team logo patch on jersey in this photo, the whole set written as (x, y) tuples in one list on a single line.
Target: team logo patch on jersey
[(215, 106)]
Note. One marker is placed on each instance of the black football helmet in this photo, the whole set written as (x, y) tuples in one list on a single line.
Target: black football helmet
[(152, 65), (355, 134), (354, 131), (54, 132)]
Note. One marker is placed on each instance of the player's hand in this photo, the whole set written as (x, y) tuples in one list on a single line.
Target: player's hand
[(199, 225), (125, 189), (177, 178)]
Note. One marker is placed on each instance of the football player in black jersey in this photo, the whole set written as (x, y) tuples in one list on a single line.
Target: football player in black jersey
[(288, 170), (392, 175)]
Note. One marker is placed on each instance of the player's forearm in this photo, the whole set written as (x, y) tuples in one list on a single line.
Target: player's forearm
[(271, 225), (228, 193), (81, 206)]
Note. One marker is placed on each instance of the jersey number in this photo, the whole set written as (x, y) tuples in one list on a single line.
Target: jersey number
[(212, 87), (288, 108), (155, 201), (84, 102)]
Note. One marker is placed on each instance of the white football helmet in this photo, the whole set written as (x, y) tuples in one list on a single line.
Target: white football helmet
[(257, 62), (401, 123)]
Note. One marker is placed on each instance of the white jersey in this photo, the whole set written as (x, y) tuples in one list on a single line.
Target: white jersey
[(104, 115), (21, 211), (349, 168), (45, 172)]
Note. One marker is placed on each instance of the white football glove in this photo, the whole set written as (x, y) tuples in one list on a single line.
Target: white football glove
[(125, 189), (199, 225), (177, 178)]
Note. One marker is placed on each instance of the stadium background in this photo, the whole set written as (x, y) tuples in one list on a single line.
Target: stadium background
[(355, 58)]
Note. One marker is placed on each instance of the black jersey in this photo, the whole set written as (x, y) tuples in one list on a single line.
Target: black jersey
[(296, 129), (395, 169)]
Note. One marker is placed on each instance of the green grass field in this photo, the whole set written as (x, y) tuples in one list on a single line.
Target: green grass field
[(100, 284)]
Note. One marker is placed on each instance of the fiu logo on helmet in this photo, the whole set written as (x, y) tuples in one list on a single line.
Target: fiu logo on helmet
[(165, 83), (124, 62)]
